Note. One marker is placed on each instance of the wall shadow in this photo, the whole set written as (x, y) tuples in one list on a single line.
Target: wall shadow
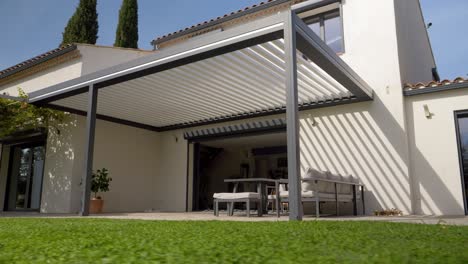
[(428, 181), (58, 169), (365, 140)]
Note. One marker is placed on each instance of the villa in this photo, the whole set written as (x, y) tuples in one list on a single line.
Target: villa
[(348, 87)]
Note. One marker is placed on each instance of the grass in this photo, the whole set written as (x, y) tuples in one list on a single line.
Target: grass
[(133, 241)]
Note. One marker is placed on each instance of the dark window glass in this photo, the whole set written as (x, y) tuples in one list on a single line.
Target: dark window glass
[(329, 28), (26, 177), (315, 26), (333, 32)]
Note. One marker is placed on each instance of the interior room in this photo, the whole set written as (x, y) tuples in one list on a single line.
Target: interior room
[(257, 156)]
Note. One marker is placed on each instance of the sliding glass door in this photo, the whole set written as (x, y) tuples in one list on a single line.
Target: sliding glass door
[(25, 177)]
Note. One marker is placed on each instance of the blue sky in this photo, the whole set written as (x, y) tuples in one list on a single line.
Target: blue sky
[(31, 27)]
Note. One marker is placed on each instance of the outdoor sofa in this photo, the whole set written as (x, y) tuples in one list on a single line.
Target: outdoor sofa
[(323, 186)]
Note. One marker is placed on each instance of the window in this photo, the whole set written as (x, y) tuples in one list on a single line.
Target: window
[(329, 28)]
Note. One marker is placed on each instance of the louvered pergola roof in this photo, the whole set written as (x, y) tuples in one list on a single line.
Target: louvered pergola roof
[(228, 75)]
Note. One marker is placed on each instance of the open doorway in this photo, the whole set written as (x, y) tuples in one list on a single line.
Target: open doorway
[(25, 174), (217, 159)]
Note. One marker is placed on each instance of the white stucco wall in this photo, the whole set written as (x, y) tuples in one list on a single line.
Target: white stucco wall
[(378, 128), (54, 75), (170, 185), (64, 149), (130, 154), (434, 154), (415, 52), (132, 157)]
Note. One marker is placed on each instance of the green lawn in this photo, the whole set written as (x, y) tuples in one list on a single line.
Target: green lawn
[(126, 241)]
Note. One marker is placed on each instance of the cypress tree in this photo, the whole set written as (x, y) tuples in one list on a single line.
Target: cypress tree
[(127, 29), (83, 25)]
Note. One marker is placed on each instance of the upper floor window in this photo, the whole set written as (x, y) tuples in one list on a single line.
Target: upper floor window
[(330, 29)]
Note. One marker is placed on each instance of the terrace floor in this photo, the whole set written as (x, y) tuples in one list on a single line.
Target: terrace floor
[(240, 216)]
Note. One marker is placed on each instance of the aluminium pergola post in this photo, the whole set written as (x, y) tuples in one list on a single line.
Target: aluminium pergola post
[(89, 150), (292, 119)]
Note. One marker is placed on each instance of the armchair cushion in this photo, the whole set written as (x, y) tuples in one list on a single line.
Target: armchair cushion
[(327, 187), (322, 187), (312, 174)]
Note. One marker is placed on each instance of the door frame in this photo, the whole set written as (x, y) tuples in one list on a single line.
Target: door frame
[(458, 115), (34, 142)]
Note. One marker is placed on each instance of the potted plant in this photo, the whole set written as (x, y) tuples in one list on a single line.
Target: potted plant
[(99, 183)]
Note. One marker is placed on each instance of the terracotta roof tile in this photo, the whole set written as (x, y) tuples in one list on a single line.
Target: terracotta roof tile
[(446, 82), (420, 85)]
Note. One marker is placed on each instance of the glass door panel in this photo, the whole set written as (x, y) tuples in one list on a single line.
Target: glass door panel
[(23, 182), (26, 178)]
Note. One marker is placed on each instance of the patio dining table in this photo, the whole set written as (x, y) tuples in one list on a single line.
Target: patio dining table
[(261, 184)]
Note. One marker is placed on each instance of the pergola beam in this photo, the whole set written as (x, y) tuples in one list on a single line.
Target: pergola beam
[(318, 51), (221, 119), (89, 149), (292, 119)]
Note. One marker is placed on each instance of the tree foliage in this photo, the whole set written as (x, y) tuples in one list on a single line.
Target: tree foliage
[(19, 116), (83, 25), (127, 28)]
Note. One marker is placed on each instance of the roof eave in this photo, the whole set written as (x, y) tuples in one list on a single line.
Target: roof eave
[(434, 89)]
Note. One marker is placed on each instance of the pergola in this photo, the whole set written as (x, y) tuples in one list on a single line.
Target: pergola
[(271, 65)]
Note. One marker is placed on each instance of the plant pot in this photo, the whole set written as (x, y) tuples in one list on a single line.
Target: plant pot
[(95, 207)]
